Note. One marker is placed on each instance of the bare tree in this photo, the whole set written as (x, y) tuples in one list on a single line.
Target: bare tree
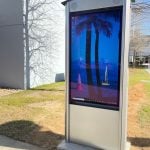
[(137, 44), (40, 18), (140, 11), (140, 14)]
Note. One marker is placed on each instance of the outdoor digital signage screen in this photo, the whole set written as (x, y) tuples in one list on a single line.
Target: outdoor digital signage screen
[(95, 55)]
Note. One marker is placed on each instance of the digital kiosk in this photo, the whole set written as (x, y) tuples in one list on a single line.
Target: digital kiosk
[(97, 42)]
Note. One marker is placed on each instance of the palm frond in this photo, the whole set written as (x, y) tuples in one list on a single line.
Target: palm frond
[(82, 25), (113, 14), (104, 26)]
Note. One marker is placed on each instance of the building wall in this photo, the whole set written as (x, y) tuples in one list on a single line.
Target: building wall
[(11, 44), (47, 64)]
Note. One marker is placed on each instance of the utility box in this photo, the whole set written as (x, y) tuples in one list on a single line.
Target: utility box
[(97, 43)]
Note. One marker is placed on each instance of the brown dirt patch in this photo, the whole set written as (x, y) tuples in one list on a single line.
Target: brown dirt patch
[(4, 92), (47, 105), (136, 133)]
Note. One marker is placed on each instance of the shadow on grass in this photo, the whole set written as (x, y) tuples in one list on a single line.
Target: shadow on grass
[(29, 132), (140, 142)]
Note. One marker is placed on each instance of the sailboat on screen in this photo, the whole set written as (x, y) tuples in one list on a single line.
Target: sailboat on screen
[(106, 83)]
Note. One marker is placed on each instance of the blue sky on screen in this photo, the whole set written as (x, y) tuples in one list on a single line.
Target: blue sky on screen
[(107, 51)]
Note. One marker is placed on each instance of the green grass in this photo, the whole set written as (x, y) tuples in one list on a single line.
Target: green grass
[(51, 87), (137, 76), (38, 94), (144, 115), (35, 116)]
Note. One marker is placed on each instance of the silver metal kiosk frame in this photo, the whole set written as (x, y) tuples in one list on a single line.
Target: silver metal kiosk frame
[(107, 129)]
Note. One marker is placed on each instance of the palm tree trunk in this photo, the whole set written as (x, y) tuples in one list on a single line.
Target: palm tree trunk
[(97, 58), (88, 57)]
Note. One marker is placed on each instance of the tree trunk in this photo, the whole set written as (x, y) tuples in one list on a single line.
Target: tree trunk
[(134, 59), (88, 56), (97, 58)]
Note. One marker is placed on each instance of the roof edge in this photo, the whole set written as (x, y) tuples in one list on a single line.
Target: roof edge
[(65, 2)]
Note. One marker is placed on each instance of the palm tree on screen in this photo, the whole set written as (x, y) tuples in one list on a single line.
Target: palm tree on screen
[(100, 25), (87, 24)]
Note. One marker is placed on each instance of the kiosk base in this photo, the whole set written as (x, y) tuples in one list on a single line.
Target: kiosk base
[(71, 146), (128, 146)]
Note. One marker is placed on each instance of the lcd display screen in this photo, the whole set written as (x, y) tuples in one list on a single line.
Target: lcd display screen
[(95, 55)]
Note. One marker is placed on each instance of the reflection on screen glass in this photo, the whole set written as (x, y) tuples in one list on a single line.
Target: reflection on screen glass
[(95, 58)]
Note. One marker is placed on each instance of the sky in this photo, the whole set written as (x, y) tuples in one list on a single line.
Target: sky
[(145, 22)]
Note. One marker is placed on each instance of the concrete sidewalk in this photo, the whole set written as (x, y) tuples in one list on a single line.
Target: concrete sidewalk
[(10, 144)]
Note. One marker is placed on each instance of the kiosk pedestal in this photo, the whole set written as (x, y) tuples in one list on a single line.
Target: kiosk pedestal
[(64, 145), (97, 42)]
